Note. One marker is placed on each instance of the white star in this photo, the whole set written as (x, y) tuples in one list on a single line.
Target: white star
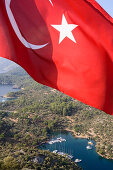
[(65, 30)]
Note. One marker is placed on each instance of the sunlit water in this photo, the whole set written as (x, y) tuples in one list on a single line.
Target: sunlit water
[(4, 89), (77, 147)]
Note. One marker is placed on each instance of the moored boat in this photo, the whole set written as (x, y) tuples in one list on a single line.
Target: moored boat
[(78, 160), (88, 147), (55, 151), (90, 143), (56, 140)]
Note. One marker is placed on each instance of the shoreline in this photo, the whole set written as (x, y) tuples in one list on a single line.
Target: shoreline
[(76, 136), (85, 137), (7, 97), (69, 130)]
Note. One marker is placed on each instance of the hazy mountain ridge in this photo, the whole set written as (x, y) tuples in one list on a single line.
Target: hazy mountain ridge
[(17, 71), (6, 65)]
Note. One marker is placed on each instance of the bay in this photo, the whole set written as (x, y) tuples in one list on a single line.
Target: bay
[(4, 89), (73, 146), (77, 148)]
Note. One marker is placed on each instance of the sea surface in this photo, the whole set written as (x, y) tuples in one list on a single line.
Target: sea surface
[(77, 148), (4, 89)]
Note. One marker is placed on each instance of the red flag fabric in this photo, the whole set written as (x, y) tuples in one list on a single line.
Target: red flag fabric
[(64, 44)]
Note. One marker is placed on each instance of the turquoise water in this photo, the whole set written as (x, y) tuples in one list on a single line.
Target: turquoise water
[(4, 89), (77, 147)]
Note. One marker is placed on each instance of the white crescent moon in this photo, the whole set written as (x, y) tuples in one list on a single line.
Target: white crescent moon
[(17, 31), (51, 2)]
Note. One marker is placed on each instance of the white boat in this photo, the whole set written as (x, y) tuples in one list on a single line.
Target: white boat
[(61, 153), (70, 156), (50, 142), (60, 139), (55, 151), (78, 160), (64, 154), (88, 147), (56, 140)]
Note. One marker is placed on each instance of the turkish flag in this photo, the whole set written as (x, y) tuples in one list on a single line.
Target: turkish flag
[(64, 44)]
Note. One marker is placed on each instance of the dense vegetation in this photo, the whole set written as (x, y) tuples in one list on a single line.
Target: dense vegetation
[(29, 120)]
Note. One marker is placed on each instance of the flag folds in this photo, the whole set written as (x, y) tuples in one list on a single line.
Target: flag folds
[(67, 45)]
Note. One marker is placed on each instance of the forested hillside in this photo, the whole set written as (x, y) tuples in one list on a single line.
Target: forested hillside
[(27, 122), (36, 113)]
